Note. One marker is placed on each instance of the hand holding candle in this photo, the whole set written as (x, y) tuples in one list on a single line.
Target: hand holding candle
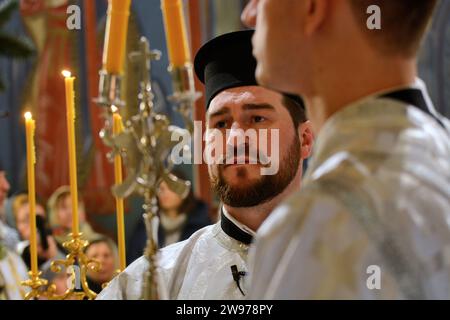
[(70, 106), (31, 160), (176, 33), (118, 128)]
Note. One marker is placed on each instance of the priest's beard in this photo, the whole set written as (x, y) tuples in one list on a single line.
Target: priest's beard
[(265, 188)]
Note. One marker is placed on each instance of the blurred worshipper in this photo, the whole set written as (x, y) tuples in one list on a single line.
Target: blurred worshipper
[(12, 268), (60, 216), (372, 218), (179, 219), (12, 272), (61, 280), (103, 250), (9, 235), (48, 248), (212, 263)]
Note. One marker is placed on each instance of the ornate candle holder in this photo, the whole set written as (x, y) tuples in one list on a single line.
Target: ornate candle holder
[(37, 285), (184, 94), (76, 257), (147, 137)]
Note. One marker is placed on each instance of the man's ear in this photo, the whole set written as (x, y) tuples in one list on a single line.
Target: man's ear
[(316, 13), (307, 139), (249, 14)]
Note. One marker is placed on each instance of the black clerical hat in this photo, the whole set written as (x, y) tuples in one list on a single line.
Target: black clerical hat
[(227, 62)]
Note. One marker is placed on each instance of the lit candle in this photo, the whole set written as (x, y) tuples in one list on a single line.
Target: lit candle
[(31, 160), (118, 128), (176, 35), (116, 35), (70, 107)]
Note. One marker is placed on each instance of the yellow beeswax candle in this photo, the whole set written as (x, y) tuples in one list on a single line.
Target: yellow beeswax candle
[(31, 160), (116, 35), (176, 33), (118, 128), (70, 107)]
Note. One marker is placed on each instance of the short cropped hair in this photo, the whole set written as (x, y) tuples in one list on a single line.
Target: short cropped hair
[(296, 109), (403, 24)]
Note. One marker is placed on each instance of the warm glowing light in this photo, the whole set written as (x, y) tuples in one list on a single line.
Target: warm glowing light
[(114, 109), (28, 115), (66, 73)]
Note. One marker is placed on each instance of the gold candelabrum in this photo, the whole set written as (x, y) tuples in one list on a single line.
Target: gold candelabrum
[(145, 144), (75, 258), (37, 285)]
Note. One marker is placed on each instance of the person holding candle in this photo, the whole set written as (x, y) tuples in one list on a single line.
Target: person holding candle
[(212, 263)]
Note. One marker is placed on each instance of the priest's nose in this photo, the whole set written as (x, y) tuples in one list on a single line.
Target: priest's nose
[(236, 135), (248, 16)]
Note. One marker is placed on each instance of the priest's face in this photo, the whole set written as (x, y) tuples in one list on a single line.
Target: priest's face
[(4, 187), (279, 43), (238, 176)]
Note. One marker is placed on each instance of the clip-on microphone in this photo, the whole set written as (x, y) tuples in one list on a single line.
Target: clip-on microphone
[(237, 277)]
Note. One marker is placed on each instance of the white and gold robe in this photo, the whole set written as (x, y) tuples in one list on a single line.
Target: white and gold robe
[(372, 220), (12, 272), (197, 268)]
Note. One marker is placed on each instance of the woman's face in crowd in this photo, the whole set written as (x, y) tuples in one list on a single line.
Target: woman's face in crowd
[(101, 252), (64, 212), (23, 219), (168, 200)]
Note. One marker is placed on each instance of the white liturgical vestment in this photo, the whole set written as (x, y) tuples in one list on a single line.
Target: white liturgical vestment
[(372, 220), (197, 268), (12, 272)]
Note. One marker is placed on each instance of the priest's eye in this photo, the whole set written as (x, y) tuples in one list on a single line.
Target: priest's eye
[(258, 119), (220, 125)]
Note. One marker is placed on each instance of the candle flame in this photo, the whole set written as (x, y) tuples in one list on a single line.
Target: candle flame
[(28, 115), (114, 109), (66, 73)]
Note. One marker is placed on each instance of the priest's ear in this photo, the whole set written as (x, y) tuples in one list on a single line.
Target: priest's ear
[(249, 15), (297, 110)]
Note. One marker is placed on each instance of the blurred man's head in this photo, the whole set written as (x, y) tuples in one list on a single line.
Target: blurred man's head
[(251, 129), (297, 41)]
